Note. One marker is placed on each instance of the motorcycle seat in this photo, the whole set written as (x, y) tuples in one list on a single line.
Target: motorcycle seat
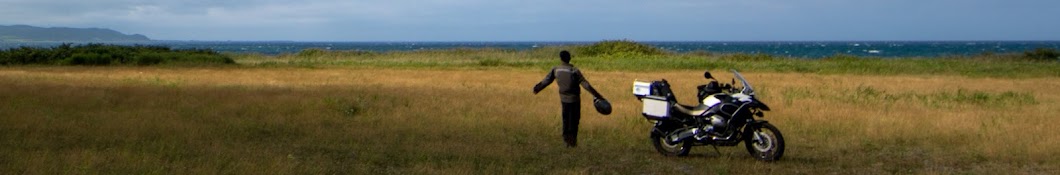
[(693, 110)]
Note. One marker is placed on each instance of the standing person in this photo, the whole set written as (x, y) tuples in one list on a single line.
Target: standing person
[(568, 77)]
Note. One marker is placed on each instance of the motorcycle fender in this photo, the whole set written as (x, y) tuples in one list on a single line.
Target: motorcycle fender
[(662, 127), (760, 105), (655, 132)]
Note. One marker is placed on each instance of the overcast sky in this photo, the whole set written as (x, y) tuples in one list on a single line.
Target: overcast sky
[(550, 20)]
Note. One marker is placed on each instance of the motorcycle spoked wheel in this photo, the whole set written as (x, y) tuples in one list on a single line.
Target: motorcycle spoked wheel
[(768, 145), (676, 149)]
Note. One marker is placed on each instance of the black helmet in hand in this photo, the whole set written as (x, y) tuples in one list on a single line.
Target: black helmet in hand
[(602, 105)]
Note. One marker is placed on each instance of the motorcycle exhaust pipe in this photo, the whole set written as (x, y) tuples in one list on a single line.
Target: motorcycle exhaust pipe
[(684, 135)]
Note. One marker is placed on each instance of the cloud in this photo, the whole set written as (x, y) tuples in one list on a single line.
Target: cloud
[(425, 19)]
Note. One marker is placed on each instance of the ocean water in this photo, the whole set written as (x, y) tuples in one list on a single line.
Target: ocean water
[(802, 49)]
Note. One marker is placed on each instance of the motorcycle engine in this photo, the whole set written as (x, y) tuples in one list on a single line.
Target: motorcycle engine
[(715, 125)]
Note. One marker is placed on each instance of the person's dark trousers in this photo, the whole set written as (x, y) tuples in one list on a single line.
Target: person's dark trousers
[(571, 115)]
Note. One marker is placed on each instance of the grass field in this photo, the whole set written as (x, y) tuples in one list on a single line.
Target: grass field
[(997, 65), (285, 116)]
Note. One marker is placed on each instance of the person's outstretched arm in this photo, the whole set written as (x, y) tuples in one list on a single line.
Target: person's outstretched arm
[(587, 86), (547, 81)]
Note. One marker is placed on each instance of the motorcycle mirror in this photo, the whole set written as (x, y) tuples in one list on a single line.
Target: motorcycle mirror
[(734, 85), (706, 74)]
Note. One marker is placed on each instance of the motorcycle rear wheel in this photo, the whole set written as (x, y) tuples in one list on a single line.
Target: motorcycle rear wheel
[(679, 149), (769, 146)]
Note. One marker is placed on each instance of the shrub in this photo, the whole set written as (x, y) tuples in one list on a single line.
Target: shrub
[(100, 54), (311, 52), (1042, 54), (207, 59), (87, 59), (149, 58), (618, 47)]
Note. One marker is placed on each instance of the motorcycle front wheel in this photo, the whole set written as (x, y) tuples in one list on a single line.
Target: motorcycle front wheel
[(666, 148), (764, 142)]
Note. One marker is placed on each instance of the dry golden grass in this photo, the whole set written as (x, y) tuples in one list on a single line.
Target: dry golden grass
[(129, 120)]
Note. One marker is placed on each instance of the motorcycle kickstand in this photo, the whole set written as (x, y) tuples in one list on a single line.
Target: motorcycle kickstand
[(716, 149)]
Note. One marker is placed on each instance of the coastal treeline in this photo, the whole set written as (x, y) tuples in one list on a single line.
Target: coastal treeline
[(105, 54)]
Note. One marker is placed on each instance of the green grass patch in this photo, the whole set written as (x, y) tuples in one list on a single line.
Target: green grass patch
[(868, 95)]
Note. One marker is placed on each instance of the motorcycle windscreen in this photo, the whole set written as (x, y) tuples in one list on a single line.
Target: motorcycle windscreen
[(746, 85)]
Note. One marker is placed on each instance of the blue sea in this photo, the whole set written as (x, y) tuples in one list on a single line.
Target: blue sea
[(802, 49)]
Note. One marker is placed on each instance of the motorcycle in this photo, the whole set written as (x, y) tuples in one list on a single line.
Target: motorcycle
[(725, 116)]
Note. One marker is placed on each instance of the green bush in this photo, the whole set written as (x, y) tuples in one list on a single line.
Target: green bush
[(87, 59), (150, 58), (1042, 54), (618, 47), (101, 54), (311, 52)]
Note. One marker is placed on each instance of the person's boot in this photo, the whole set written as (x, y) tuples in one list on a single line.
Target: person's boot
[(571, 142), (574, 141)]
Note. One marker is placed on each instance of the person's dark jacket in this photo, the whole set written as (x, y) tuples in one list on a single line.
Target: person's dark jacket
[(568, 77)]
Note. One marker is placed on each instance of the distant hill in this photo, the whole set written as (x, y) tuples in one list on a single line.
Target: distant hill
[(24, 33)]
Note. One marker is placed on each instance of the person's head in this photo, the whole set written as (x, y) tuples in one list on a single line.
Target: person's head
[(565, 56)]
